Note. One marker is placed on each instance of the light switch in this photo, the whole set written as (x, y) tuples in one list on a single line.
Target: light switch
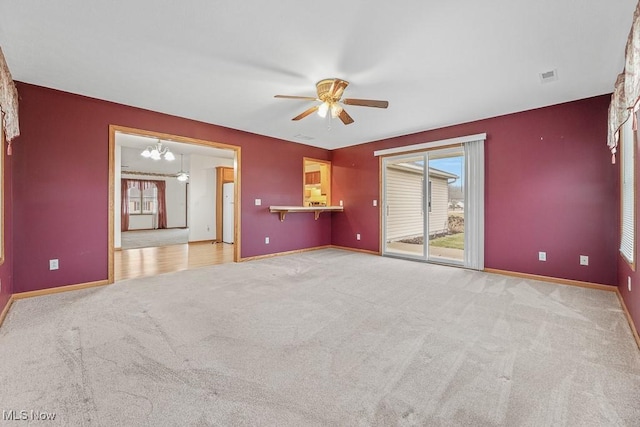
[(258, 202)]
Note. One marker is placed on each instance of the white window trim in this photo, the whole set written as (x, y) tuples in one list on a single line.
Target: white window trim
[(429, 145)]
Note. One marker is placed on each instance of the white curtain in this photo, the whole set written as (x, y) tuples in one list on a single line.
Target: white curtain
[(474, 205)]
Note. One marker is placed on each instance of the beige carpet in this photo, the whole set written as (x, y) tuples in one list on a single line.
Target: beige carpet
[(152, 238), (323, 338)]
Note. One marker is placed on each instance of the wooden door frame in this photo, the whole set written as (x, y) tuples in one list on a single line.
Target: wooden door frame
[(113, 129), (220, 180)]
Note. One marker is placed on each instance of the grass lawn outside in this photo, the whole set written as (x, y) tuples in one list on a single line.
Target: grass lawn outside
[(453, 241)]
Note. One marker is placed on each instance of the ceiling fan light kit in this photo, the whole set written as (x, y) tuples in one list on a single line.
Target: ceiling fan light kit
[(330, 95), (322, 110)]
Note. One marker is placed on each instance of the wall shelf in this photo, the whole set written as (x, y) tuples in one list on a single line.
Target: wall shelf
[(317, 210)]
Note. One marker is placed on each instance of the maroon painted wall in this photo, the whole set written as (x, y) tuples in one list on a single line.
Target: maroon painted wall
[(61, 173), (631, 299), (6, 269), (549, 186)]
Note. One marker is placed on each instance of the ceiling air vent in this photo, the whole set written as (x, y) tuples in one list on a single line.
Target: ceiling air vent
[(549, 76), (305, 137)]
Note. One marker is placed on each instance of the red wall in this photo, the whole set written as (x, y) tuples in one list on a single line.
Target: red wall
[(61, 185), (631, 299), (549, 186)]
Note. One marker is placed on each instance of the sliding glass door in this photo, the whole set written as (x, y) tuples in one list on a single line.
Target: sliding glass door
[(424, 205), (404, 206), (446, 209)]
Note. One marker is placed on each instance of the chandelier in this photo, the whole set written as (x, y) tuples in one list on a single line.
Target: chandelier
[(157, 151)]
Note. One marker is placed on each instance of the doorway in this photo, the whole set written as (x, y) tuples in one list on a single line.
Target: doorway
[(433, 205), (424, 214), (193, 183)]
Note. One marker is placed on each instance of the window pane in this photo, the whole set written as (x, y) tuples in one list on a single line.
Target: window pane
[(150, 200), (134, 201), (149, 205), (627, 240)]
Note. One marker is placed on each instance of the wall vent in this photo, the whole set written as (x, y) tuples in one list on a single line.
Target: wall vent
[(549, 76)]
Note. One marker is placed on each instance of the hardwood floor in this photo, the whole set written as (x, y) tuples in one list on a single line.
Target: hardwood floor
[(142, 262)]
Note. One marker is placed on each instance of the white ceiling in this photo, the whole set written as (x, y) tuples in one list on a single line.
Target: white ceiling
[(133, 145), (438, 63)]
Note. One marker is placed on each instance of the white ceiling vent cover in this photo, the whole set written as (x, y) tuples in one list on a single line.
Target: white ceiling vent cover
[(549, 76), (305, 137)]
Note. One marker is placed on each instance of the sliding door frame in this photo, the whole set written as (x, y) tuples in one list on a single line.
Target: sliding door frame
[(473, 170), (385, 208), (425, 197)]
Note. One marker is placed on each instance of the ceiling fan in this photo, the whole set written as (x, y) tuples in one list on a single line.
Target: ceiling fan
[(330, 94)]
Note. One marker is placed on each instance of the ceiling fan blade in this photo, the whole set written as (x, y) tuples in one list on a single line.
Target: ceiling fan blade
[(366, 102), (345, 117), (310, 98), (307, 112), (337, 88)]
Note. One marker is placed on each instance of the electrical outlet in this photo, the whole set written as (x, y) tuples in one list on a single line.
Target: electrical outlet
[(53, 264), (375, 203), (542, 256), (340, 202), (266, 240), (358, 236), (629, 283), (584, 260), (258, 202)]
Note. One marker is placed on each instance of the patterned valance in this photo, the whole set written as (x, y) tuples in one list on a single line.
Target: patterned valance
[(8, 102), (626, 93)]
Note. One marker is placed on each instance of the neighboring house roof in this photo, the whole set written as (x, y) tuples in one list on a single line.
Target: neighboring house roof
[(417, 169), (442, 174)]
